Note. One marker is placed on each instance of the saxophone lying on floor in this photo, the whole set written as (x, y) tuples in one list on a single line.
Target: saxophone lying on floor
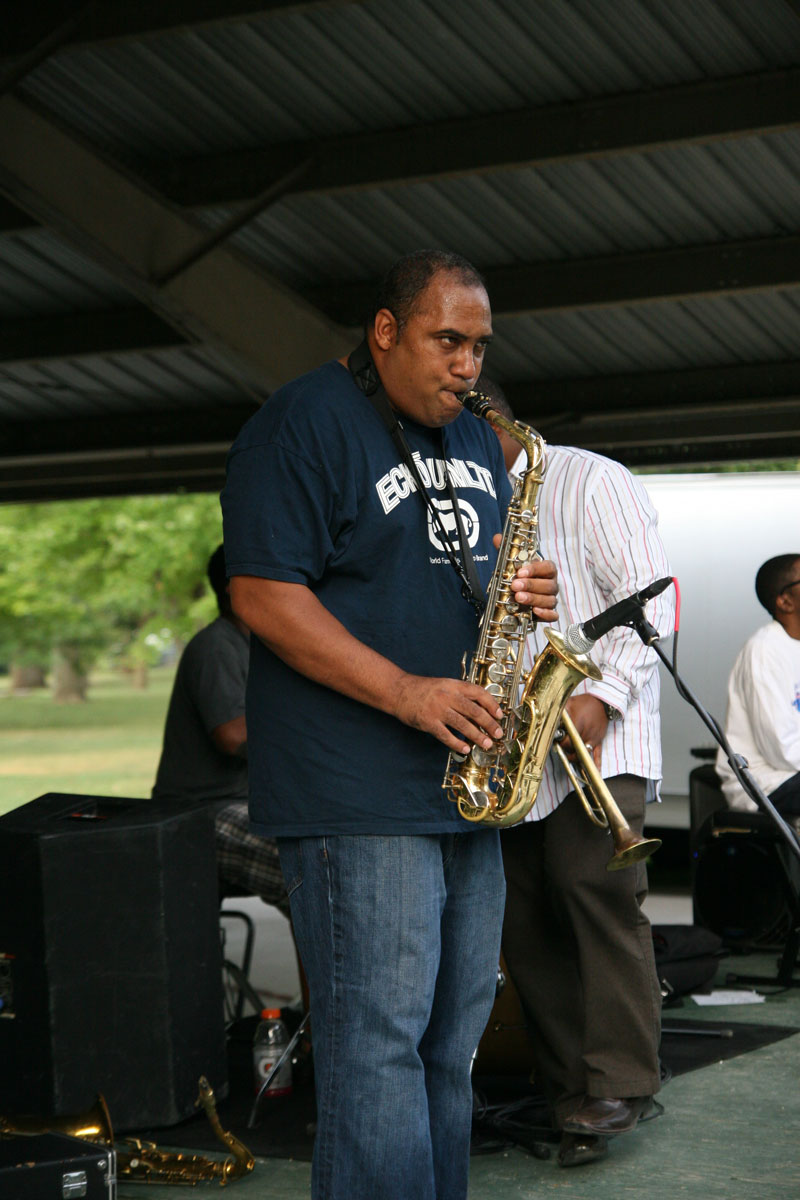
[(143, 1162)]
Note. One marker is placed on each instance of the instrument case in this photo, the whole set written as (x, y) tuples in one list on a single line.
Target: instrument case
[(44, 1165)]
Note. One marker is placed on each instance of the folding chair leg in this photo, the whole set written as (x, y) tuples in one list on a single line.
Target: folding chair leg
[(242, 974)]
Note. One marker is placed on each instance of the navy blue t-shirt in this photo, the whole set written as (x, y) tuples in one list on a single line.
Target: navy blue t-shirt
[(317, 494)]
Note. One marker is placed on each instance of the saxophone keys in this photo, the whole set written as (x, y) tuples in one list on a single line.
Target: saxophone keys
[(475, 807), (500, 647)]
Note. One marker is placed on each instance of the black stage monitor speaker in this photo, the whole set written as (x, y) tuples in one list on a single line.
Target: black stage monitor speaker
[(740, 889), (110, 959)]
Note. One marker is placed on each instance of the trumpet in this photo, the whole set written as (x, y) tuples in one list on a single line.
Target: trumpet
[(629, 847)]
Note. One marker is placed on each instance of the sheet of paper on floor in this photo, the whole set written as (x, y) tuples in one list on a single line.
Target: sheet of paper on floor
[(729, 997)]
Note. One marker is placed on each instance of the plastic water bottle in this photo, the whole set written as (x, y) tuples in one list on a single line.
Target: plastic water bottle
[(270, 1041)]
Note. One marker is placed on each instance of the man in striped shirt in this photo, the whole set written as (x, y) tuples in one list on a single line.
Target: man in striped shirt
[(577, 945)]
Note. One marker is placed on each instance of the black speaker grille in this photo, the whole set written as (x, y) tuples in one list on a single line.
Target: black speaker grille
[(740, 891)]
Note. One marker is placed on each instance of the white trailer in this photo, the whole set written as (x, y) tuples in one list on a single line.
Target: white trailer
[(718, 529)]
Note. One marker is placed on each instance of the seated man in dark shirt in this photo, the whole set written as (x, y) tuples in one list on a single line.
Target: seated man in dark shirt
[(204, 755)]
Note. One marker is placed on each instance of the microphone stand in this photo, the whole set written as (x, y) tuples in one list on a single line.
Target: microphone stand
[(788, 960), (650, 637)]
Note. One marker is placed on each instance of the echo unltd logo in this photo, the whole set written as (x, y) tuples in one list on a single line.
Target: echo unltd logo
[(447, 516)]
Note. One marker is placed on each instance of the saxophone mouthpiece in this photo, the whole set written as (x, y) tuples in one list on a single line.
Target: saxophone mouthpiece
[(476, 402)]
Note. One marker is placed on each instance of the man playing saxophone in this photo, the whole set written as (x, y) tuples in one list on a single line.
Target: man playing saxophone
[(349, 547), (577, 945)]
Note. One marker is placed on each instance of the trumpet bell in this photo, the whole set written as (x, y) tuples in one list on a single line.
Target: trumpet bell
[(629, 852)]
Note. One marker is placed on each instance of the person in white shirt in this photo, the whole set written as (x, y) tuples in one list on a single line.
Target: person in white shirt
[(577, 945), (763, 715)]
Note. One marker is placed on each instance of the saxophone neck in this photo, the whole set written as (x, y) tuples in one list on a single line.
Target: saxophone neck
[(243, 1160), (530, 441)]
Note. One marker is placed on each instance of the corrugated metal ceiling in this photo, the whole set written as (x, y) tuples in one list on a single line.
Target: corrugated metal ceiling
[(310, 73), (696, 194), (380, 64), (94, 385)]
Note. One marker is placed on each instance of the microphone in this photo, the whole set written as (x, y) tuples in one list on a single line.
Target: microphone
[(581, 637)]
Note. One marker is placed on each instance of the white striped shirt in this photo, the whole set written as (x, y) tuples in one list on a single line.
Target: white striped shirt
[(598, 525)]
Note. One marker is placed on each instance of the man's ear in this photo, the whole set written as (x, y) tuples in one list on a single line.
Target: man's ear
[(385, 329), (784, 603)]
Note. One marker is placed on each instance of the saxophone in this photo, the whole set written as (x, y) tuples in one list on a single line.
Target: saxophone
[(481, 783), (144, 1162), (499, 786)]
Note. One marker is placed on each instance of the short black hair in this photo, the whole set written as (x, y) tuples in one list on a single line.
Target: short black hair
[(218, 578), (772, 577), (407, 278)]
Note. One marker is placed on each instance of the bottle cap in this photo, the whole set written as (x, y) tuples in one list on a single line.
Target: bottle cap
[(271, 1014)]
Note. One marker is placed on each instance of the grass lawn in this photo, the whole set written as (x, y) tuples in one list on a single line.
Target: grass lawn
[(108, 746)]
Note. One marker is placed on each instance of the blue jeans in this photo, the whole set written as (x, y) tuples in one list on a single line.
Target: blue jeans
[(400, 941)]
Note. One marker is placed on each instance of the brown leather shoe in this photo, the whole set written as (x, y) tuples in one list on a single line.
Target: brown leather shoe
[(608, 1117)]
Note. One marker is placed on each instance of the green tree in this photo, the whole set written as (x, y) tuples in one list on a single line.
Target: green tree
[(124, 576)]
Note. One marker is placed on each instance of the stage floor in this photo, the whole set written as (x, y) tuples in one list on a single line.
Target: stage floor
[(729, 1131)]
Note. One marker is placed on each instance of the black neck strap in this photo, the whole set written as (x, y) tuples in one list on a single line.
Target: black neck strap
[(366, 376)]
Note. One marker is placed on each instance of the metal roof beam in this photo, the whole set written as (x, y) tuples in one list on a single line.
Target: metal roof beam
[(752, 422), (71, 335), (529, 289), (686, 272), (667, 418), (697, 402), (13, 219), (696, 113), (736, 107), (551, 400), (755, 428), (739, 106), (550, 404), (568, 285), (712, 415), (28, 25), (146, 452), (120, 478), (126, 474), (147, 432), (216, 297), (713, 434), (209, 477)]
